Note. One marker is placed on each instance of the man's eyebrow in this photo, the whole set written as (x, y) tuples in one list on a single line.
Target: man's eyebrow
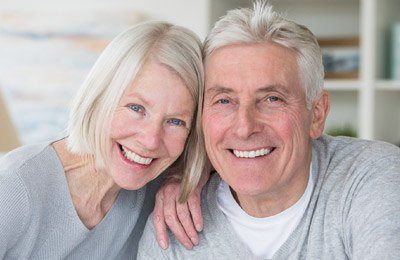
[(272, 88), (267, 88), (219, 90)]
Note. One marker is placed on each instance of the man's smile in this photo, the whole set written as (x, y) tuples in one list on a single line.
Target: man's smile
[(252, 153)]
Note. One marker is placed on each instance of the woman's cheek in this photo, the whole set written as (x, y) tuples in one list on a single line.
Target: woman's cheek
[(176, 143), (123, 125)]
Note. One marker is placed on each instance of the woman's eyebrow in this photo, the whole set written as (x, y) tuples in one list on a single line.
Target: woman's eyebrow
[(140, 98)]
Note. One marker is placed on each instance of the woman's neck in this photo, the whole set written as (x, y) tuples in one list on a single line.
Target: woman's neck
[(93, 191)]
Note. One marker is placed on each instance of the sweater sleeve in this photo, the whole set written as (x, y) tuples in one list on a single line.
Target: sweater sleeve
[(373, 221), (14, 207)]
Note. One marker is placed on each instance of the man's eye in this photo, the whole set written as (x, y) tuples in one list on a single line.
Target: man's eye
[(176, 121), (223, 101), (136, 108)]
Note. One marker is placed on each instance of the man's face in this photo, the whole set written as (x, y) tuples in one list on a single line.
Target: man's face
[(257, 128)]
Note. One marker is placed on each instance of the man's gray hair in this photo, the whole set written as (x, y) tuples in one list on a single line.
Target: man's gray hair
[(262, 24), (176, 47)]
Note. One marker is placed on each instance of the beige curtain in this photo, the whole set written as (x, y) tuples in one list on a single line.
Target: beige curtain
[(8, 135)]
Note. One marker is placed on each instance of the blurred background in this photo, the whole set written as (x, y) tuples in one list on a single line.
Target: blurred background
[(48, 46)]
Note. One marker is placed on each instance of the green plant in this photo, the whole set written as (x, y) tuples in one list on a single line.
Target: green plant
[(346, 130)]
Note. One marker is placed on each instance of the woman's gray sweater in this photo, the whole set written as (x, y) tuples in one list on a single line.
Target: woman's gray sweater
[(38, 219)]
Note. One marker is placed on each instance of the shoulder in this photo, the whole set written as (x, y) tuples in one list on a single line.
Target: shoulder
[(14, 196), (23, 178), (15, 165), (148, 246), (356, 145), (353, 154), (22, 156), (216, 241), (32, 167), (15, 207), (354, 166)]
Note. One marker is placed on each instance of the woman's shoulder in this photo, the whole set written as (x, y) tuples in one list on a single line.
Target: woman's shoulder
[(15, 168), (24, 172), (25, 175), (21, 156), (14, 195)]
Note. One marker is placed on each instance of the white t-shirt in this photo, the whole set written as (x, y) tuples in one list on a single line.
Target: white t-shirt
[(264, 236)]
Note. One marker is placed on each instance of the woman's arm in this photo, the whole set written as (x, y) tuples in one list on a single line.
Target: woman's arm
[(14, 208)]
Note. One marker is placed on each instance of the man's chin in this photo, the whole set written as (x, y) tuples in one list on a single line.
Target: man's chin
[(248, 188)]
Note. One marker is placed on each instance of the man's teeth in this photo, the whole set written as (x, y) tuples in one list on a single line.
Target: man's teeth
[(251, 154), (133, 157)]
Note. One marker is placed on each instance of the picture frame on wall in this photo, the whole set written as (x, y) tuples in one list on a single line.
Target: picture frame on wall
[(341, 57)]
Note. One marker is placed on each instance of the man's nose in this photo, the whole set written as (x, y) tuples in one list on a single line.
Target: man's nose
[(246, 122)]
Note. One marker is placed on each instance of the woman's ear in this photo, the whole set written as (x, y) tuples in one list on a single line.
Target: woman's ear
[(320, 112)]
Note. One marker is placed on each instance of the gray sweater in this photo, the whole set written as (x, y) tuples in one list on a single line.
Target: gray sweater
[(353, 213), (38, 219)]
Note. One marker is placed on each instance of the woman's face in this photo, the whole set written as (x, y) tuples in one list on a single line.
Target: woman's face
[(149, 127)]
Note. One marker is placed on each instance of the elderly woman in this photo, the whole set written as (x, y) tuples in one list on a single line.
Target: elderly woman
[(88, 195)]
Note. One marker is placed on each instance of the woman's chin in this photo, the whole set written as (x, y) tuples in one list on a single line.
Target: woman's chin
[(129, 180)]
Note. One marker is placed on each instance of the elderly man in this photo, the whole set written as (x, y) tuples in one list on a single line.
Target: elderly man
[(282, 189)]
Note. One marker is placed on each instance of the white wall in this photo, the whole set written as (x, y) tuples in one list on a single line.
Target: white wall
[(192, 14)]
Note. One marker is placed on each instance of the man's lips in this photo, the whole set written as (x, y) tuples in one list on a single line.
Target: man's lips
[(252, 153)]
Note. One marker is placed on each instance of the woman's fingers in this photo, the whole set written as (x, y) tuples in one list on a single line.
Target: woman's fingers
[(187, 222), (168, 213), (194, 206), (172, 220), (159, 221)]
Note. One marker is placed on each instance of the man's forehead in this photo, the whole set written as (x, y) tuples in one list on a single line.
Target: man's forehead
[(251, 67), (249, 50), (248, 59)]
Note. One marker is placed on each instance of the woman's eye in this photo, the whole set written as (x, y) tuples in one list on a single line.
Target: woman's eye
[(136, 108), (223, 101), (177, 122)]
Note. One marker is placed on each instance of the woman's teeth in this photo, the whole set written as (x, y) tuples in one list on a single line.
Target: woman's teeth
[(133, 157), (252, 154)]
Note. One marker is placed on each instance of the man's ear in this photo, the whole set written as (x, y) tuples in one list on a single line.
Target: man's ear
[(320, 112)]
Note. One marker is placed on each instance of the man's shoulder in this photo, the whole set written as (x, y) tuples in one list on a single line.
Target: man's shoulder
[(348, 151), (354, 170), (210, 246), (348, 170), (212, 240), (210, 189)]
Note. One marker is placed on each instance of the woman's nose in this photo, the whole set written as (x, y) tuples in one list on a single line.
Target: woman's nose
[(151, 136)]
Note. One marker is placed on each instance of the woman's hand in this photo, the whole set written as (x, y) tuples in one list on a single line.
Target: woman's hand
[(184, 220)]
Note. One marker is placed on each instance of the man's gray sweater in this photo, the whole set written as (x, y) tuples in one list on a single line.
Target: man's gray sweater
[(353, 213)]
